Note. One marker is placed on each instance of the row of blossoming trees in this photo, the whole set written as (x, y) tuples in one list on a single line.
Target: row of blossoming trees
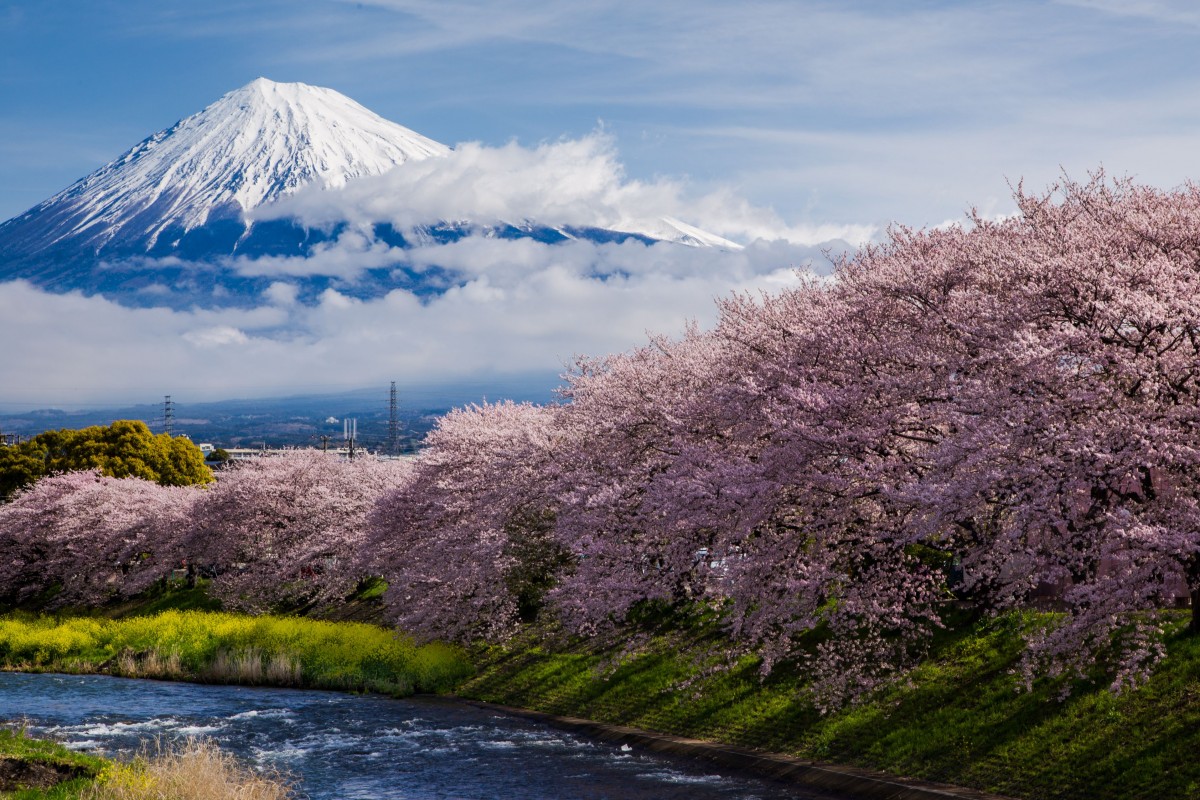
[(970, 413)]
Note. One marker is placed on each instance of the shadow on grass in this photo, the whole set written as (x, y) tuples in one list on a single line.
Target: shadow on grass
[(962, 718)]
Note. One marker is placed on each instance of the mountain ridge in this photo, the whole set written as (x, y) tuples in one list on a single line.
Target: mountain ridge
[(177, 209), (252, 146)]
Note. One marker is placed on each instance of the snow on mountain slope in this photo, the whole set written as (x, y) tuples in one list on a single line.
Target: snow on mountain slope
[(190, 214), (669, 229), (252, 146)]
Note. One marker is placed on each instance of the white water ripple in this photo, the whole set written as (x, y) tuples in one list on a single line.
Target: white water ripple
[(347, 746)]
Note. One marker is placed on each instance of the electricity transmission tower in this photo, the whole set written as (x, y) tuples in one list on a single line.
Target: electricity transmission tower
[(393, 423)]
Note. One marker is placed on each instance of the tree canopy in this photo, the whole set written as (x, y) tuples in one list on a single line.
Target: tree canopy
[(90, 537), (292, 523), (986, 412), (124, 449), (982, 414)]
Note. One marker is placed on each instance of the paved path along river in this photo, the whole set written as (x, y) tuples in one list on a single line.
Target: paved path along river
[(361, 746)]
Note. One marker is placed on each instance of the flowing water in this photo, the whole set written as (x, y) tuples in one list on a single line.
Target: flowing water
[(361, 746)]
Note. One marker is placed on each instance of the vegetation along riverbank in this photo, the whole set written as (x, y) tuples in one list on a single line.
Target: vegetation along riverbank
[(218, 647), (32, 769), (36, 769), (962, 719), (938, 516)]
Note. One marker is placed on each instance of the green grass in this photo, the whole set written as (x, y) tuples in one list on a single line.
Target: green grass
[(15, 744), (229, 648), (962, 718), (369, 589)]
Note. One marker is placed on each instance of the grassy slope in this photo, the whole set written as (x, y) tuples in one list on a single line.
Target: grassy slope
[(15, 744), (218, 647), (961, 720)]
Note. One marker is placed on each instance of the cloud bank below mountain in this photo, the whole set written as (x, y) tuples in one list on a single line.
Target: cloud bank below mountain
[(576, 182), (487, 305), (89, 350)]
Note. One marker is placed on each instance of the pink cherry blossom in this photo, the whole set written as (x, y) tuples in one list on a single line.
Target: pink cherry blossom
[(464, 543), (288, 528), (93, 536)]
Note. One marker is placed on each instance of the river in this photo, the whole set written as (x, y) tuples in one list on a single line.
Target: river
[(364, 746)]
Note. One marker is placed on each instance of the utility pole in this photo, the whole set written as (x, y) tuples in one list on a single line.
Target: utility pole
[(168, 415), (393, 423)]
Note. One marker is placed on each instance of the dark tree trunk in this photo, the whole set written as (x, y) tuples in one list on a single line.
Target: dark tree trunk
[(1192, 570)]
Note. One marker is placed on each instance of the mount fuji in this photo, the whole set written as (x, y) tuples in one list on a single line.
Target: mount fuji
[(182, 217)]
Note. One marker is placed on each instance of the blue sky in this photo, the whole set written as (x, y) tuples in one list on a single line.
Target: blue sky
[(829, 112), (784, 124)]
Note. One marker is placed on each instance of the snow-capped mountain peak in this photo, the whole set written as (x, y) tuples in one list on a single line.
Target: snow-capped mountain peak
[(254, 145), (188, 213)]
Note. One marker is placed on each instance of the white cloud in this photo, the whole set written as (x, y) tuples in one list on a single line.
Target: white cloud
[(218, 336), (535, 308), (281, 294), (345, 257), (573, 182), (503, 306), (1163, 11)]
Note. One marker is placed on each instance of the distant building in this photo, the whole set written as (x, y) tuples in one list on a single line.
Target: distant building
[(249, 453)]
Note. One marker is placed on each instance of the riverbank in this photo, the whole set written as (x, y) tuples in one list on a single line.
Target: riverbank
[(219, 647), (35, 769), (962, 719), (842, 781)]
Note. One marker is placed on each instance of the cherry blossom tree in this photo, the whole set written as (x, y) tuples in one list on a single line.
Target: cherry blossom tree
[(641, 477), (465, 544), (90, 536), (287, 529), (1073, 453), (826, 426), (1015, 399)]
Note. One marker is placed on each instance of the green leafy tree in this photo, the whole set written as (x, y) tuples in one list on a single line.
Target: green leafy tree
[(124, 449), (20, 465)]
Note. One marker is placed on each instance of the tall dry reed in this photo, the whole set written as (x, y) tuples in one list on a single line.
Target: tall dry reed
[(199, 770), (253, 667)]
